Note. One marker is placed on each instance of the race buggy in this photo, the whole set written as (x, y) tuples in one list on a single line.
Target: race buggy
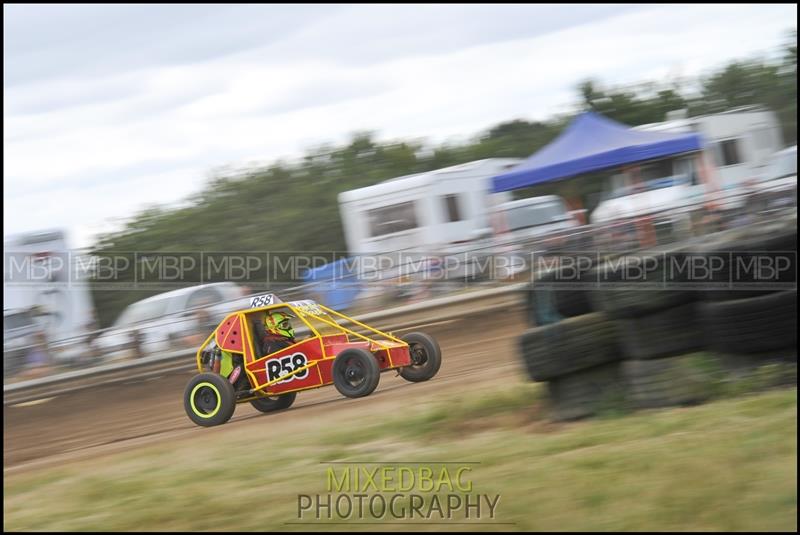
[(330, 348)]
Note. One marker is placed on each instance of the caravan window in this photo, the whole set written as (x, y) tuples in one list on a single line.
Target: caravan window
[(655, 170), (394, 218), (728, 152), (685, 169), (451, 204)]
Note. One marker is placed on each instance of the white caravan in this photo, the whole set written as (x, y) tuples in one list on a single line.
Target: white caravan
[(740, 143), (423, 212)]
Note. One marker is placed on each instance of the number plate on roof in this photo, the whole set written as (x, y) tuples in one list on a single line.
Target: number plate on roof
[(263, 300)]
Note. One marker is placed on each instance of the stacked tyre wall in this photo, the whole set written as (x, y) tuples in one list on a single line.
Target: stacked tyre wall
[(751, 327), (601, 344), (573, 348)]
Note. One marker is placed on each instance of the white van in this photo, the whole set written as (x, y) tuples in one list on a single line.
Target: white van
[(168, 320), (527, 226), (526, 220)]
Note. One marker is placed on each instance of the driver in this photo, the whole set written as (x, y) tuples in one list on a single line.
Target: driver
[(280, 333)]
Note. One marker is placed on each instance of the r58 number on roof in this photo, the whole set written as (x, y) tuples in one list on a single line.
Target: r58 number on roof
[(262, 300)]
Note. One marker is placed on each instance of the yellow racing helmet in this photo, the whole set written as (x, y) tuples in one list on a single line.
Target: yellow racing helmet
[(279, 323)]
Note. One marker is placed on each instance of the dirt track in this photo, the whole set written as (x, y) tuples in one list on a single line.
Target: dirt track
[(129, 415)]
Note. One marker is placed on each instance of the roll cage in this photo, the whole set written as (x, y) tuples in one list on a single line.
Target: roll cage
[(325, 329)]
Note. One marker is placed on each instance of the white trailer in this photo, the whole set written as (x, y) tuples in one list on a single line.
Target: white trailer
[(423, 212), (40, 271)]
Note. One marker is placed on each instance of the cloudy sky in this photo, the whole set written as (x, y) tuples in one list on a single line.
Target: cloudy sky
[(109, 108)]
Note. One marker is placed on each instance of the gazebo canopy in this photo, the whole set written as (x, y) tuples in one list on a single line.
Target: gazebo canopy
[(591, 143)]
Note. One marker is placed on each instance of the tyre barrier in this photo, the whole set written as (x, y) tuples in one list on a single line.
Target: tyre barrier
[(619, 347), (568, 346), (564, 291), (571, 303), (665, 382), (557, 293), (738, 247), (665, 333), (587, 392), (539, 306), (751, 325), (647, 294)]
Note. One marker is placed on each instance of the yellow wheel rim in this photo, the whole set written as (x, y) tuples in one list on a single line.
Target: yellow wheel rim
[(195, 409)]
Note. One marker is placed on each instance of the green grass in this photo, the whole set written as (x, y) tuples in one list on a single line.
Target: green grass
[(726, 465), (449, 416)]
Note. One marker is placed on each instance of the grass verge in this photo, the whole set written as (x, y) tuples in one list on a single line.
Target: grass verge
[(726, 465)]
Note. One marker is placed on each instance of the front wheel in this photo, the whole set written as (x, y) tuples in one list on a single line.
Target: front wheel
[(426, 357), (209, 399), (274, 403), (356, 373)]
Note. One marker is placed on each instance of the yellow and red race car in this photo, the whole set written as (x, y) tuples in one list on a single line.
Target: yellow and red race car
[(329, 348)]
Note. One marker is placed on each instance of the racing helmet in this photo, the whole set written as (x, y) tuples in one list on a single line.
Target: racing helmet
[(279, 323)]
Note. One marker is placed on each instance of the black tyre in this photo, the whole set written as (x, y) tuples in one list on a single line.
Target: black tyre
[(426, 357), (209, 399), (274, 403), (640, 283), (568, 285), (674, 331), (568, 346), (571, 303), (356, 373), (752, 325), (733, 250), (683, 380), (540, 306), (588, 392)]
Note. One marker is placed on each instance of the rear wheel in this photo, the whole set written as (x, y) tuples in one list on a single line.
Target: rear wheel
[(426, 357), (356, 373), (209, 399), (274, 403)]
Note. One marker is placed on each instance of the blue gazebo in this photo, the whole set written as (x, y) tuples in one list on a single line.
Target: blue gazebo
[(592, 143)]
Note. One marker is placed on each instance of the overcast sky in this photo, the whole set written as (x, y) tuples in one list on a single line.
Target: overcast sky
[(109, 108)]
